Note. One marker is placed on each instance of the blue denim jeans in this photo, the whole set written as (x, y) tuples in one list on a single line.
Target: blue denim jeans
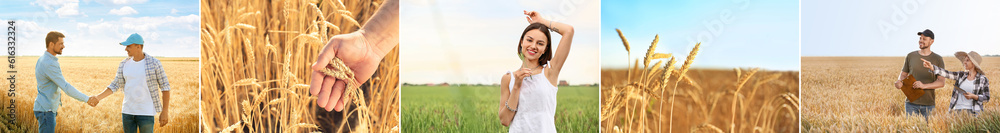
[(923, 110), (143, 123), (46, 121)]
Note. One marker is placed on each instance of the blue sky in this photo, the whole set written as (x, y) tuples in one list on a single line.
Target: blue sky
[(95, 27), (888, 28), (463, 41), (758, 33)]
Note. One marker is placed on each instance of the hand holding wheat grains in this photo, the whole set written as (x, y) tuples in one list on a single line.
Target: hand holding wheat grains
[(355, 52), (360, 51)]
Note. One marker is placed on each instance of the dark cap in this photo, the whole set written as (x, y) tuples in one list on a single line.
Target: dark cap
[(927, 33)]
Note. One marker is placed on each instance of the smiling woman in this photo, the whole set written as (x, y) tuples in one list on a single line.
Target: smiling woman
[(528, 102)]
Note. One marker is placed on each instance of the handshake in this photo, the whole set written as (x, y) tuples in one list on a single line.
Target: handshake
[(94, 100)]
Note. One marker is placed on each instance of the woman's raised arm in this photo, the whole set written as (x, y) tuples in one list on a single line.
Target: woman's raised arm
[(566, 31)]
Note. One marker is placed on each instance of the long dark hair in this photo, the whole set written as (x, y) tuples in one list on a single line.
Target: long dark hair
[(544, 59)]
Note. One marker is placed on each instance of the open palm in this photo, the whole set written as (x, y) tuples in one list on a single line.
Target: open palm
[(357, 54)]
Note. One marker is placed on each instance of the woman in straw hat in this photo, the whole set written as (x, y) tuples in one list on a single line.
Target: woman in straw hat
[(972, 89)]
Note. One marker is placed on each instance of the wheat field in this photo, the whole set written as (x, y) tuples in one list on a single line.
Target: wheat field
[(696, 100), (255, 64), (856, 94), (91, 76)]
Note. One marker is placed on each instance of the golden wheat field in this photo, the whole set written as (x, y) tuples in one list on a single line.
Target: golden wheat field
[(856, 94), (91, 76), (696, 100), (712, 102), (255, 64)]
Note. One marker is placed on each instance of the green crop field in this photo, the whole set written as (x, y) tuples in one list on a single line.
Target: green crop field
[(474, 109)]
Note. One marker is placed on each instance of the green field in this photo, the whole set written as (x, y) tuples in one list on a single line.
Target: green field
[(474, 109)]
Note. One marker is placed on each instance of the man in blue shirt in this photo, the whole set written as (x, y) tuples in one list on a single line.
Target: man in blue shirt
[(50, 81)]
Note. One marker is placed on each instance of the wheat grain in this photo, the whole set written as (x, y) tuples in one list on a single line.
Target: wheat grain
[(339, 70)]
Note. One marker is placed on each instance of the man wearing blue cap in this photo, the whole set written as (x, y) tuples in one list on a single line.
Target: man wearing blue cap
[(50, 80), (143, 79)]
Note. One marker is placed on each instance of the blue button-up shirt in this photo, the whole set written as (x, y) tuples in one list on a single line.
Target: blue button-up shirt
[(50, 81)]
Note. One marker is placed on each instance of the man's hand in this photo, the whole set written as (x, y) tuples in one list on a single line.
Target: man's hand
[(918, 84), (971, 96), (899, 84), (164, 118), (93, 101)]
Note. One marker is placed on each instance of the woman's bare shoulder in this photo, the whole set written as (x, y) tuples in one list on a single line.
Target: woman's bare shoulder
[(505, 78)]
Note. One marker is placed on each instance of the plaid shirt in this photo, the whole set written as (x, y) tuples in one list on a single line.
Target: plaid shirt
[(982, 88), (156, 79)]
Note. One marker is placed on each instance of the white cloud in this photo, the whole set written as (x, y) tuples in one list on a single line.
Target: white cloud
[(174, 11), (172, 35), (31, 37), (52, 4), (66, 8), (81, 25), (126, 10), (120, 2)]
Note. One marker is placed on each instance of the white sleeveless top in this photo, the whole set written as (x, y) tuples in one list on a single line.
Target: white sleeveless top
[(536, 107)]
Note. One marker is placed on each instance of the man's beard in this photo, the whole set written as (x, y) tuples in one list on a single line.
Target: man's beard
[(924, 47)]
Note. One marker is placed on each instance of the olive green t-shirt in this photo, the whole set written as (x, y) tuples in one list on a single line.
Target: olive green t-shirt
[(914, 66)]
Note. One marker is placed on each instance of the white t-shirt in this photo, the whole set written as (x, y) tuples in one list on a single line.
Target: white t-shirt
[(962, 102), (137, 99)]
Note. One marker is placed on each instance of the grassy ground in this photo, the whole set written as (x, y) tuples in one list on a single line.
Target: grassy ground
[(474, 109), (91, 75)]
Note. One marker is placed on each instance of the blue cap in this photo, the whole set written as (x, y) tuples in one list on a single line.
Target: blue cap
[(132, 39)]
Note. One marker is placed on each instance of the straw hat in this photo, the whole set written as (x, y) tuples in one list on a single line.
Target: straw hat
[(975, 58)]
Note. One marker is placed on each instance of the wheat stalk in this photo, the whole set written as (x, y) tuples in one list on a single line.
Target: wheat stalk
[(739, 85), (683, 71)]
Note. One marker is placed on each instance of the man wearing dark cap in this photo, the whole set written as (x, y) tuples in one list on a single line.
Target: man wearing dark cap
[(926, 80)]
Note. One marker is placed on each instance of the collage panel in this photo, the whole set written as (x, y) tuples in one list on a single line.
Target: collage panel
[(899, 66), (300, 66), (699, 66), (500, 66), (100, 66)]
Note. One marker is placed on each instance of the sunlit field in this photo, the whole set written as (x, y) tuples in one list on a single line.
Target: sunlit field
[(856, 94)]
